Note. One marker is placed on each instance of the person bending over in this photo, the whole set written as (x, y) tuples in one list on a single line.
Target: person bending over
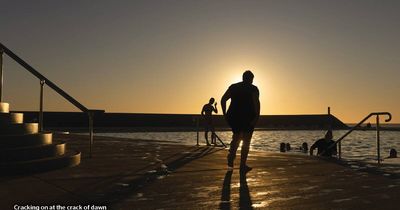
[(325, 147)]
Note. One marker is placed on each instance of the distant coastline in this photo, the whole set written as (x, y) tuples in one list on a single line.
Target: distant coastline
[(178, 122), (132, 122), (385, 126)]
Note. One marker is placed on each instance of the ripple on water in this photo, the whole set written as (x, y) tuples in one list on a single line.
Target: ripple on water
[(265, 193), (308, 188), (260, 204), (326, 191), (263, 172), (280, 179), (151, 171), (271, 200), (344, 199), (122, 184), (251, 179)]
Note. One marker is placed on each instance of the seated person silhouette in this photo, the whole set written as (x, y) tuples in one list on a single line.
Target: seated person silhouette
[(206, 112), (326, 146)]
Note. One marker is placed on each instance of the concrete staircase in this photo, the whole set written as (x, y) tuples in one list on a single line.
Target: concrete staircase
[(24, 150)]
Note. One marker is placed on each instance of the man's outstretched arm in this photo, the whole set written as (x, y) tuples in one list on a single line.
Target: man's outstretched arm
[(312, 149), (225, 97)]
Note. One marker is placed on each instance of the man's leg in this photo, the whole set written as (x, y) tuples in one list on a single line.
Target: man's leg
[(213, 137), (233, 148), (206, 136), (245, 148)]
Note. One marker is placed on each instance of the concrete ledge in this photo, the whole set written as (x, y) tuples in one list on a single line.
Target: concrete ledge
[(25, 140), (11, 118), (4, 107), (40, 165), (32, 153), (25, 128)]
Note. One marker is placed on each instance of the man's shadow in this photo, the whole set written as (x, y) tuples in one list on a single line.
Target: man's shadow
[(244, 199), (244, 193)]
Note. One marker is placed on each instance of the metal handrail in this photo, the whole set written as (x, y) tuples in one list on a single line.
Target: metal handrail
[(43, 78), (377, 114), (43, 81)]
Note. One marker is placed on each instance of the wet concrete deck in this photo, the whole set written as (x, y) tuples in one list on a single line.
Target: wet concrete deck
[(141, 175)]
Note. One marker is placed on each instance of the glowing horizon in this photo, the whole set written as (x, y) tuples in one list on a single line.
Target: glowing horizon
[(158, 57)]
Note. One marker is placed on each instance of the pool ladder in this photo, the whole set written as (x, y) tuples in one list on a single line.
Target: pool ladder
[(377, 114)]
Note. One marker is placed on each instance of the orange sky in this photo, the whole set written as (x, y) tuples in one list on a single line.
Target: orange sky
[(157, 57)]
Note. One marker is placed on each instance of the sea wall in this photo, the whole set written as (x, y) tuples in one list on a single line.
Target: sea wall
[(113, 120)]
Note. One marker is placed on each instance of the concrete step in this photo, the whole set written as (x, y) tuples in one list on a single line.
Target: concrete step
[(25, 128), (4, 107), (11, 118), (40, 165), (31, 153), (25, 140)]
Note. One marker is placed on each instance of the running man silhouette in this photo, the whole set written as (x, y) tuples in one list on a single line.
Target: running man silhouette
[(206, 112), (242, 116)]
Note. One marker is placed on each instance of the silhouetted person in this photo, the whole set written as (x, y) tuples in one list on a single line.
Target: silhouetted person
[(282, 147), (242, 116), (326, 146), (304, 147), (206, 112), (288, 147), (392, 153)]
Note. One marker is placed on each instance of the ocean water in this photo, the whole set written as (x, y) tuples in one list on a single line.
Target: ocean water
[(359, 145)]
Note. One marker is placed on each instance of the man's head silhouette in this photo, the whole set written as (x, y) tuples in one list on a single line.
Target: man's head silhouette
[(248, 77), (328, 135), (211, 101)]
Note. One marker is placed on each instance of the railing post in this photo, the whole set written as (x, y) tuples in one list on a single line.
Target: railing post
[(378, 143), (1, 74), (197, 129), (42, 82), (340, 149), (90, 114)]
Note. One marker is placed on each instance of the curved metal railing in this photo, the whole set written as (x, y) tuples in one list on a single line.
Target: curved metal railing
[(43, 80), (377, 114)]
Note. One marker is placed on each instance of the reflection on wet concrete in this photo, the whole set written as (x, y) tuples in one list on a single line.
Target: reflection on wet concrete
[(244, 199), (344, 199), (226, 191), (198, 181)]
